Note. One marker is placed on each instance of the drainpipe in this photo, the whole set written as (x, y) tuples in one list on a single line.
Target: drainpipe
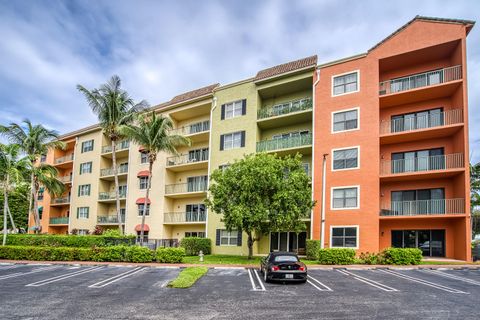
[(324, 181), (214, 105), (313, 147)]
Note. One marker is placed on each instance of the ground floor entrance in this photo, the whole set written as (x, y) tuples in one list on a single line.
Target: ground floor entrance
[(288, 241), (431, 242)]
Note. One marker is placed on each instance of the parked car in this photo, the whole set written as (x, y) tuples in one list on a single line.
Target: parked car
[(476, 251), (283, 266)]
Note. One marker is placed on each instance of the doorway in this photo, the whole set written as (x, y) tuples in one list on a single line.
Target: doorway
[(288, 241)]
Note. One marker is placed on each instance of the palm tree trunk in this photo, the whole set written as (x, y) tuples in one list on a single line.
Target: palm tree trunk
[(11, 218), (30, 200), (142, 226), (117, 193), (5, 206), (35, 209)]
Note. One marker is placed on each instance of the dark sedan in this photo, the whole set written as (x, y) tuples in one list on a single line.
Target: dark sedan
[(283, 266)]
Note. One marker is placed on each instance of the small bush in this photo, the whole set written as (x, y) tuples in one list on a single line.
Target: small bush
[(170, 255), (68, 240), (193, 245), (139, 254), (312, 249), (109, 254), (336, 256), (369, 258), (401, 256)]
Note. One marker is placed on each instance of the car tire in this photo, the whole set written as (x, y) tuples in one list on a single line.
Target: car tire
[(303, 281), (265, 276)]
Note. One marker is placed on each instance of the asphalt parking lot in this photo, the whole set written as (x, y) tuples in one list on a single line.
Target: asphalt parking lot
[(131, 292)]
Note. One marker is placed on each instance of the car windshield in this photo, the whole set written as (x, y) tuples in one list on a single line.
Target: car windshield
[(285, 259)]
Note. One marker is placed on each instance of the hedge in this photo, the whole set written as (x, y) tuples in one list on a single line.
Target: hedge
[(170, 255), (193, 245), (67, 240), (401, 256), (312, 248), (336, 256)]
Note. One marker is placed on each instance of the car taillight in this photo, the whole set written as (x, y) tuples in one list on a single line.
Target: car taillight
[(275, 268), (301, 268)]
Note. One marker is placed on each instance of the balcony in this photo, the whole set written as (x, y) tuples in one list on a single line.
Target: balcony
[(110, 219), (433, 125), (422, 167), (185, 190), (197, 132), (184, 217), (284, 114), (198, 160), (61, 201), (65, 179), (64, 162), (427, 85), (301, 144), (59, 220), (431, 207), (110, 196), (107, 173), (121, 149)]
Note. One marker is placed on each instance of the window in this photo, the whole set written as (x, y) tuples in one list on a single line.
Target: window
[(228, 238), (198, 183), (195, 212), (83, 232), (40, 213), (291, 134), (422, 201), (199, 127), (123, 167), (43, 158), (345, 120), (198, 155), (140, 209), (344, 237), (345, 159), (224, 167), (234, 109), (232, 140), (83, 190), (143, 157), (82, 212), (195, 234), (417, 120), (421, 160), (86, 167), (306, 167), (87, 146), (143, 181), (345, 198), (346, 83), (145, 235), (122, 191), (41, 191)]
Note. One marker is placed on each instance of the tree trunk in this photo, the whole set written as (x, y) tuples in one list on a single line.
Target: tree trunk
[(5, 205), (142, 226), (117, 193), (250, 242), (36, 217), (11, 218), (30, 201)]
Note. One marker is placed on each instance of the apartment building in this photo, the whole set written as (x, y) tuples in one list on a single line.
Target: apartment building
[(391, 124)]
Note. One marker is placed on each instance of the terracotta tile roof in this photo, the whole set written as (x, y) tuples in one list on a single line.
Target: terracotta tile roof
[(423, 18), (194, 94), (286, 67)]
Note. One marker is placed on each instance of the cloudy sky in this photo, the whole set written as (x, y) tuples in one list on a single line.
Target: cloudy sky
[(161, 48)]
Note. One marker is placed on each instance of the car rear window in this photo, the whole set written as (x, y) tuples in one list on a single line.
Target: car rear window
[(285, 259)]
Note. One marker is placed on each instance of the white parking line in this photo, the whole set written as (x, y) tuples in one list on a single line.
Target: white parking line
[(7, 267), (425, 282), (259, 280), (251, 274), (454, 277), (62, 277), (116, 278), (370, 282), (18, 274), (325, 287)]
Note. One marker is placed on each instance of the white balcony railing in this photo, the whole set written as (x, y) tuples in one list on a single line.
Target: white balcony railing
[(109, 171), (284, 143), (64, 159), (187, 158), (121, 145), (421, 164), (285, 108), (181, 217), (109, 219), (423, 207), (111, 195), (186, 187), (193, 128), (63, 200), (420, 80)]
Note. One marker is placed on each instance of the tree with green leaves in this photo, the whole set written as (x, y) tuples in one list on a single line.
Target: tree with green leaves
[(114, 108), (261, 193), (152, 133), (475, 198), (13, 171), (35, 140), (17, 205)]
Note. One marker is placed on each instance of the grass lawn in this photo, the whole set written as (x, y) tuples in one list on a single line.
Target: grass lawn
[(445, 262), (187, 277), (230, 259)]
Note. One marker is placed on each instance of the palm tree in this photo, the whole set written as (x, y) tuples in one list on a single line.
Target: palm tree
[(114, 108), (12, 172), (34, 140), (152, 132)]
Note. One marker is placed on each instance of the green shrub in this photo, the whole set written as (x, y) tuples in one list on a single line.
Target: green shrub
[(170, 255), (312, 249), (193, 245), (139, 254), (113, 254), (369, 258), (336, 256), (401, 256), (68, 240)]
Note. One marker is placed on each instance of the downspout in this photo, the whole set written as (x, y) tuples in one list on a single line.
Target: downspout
[(313, 148), (214, 105), (324, 181)]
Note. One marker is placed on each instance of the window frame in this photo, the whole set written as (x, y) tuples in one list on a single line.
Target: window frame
[(84, 143), (229, 238), (342, 111), (332, 168), (232, 144), (82, 166), (344, 74), (143, 154), (143, 183), (140, 211), (233, 105), (79, 214), (332, 189), (82, 193), (357, 227)]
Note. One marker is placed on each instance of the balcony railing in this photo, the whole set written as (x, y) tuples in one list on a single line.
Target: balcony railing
[(173, 217), (284, 143), (64, 159), (121, 145), (65, 179), (59, 220), (285, 108), (420, 80), (424, 207), (109, 171), (187, 158), (110, 219), (110, 195), (192, 128), (423, 121), (186, 187), (431, 163), (62, 200)]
